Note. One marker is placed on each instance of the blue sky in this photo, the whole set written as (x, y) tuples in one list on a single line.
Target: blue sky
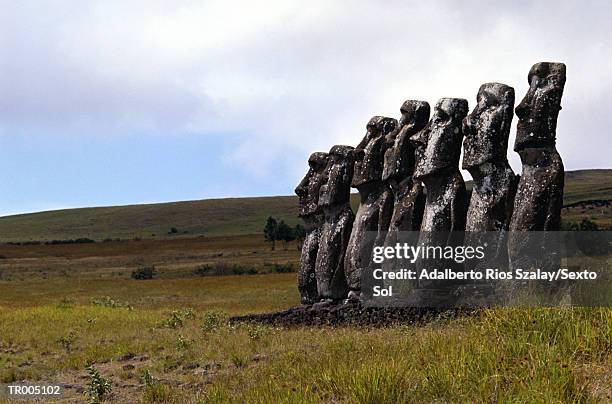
[(135, 101), (58, 172)]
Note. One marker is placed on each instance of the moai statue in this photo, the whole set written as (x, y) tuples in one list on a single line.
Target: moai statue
[(446, 202), (486, 130), (312, 214), (539, 197), (408, 196), (334, 200), (533, 241), (446, 199), (485, 146), (376, 201)]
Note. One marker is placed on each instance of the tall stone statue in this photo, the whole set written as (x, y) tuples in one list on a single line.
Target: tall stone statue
[(446, 202), (533, 241), (539, 197), (399, 163), (312, 214), (485, 146), (376, 201), (334, 200)]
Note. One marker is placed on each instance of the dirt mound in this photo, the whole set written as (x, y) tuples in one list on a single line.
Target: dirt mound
[(351, 313)]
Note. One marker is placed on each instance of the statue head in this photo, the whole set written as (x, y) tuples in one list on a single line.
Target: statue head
[(369, 154), (336, 188), (400, 152), (308, 189), (444, 135), (539, 110), (487, 127)]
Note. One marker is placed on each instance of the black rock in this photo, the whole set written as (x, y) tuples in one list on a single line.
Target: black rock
[(351, 314)]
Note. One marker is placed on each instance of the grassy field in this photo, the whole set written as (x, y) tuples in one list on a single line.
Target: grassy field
[(173, 344), (172, 258), (66, 306), (63, 307), (234, 216)]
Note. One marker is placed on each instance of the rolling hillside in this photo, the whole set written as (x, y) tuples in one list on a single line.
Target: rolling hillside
[(213, 216)]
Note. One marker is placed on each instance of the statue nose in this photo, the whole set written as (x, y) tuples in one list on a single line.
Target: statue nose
[(522, 110)]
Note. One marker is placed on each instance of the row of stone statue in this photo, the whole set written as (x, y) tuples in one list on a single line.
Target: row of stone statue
[(408, 178)]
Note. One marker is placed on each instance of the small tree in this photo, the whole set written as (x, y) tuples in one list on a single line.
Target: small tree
[(285, 233), (271, 231), (300, 234)]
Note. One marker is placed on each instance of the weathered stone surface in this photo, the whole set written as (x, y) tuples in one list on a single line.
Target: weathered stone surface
[(539, 197), (486, 131), (439, 146), (408, 195), (376, 200), (308, 194), (334, 200), (438, 168)]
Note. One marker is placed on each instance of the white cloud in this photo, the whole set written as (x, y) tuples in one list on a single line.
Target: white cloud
[(291, 76)]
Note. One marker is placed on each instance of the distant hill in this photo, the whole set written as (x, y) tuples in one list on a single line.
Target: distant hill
[(212, 216)]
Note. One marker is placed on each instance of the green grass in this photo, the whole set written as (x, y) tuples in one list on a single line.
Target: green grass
[(211, 217), (501, 355), (585, 185)]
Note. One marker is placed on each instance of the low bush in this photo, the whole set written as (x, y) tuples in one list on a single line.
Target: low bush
[(212, 321), (98, 387), (146, 272), (283, 268), (107, 301), (222, 269)]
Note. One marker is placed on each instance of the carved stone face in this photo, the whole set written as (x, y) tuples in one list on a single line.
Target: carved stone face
[(308, 189), (336, 188), (400, 154), (369, 154), (444, 135), (539, 110), (487, 127)]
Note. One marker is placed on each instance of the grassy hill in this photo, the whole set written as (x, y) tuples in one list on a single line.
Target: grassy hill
[(212, 216)]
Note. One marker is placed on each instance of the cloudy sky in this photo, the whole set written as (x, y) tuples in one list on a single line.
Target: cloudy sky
[(134, 101)]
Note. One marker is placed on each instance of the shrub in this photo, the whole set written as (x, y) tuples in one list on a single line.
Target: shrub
[(154, 391), (222, 269), (242, 270), (177, 318), (203, 270), (67, 341), (182, 342), (145, 272), (212, 321), (65, 303), (98, 387), (82, 240), (283, 268), (107, 301), (239, 361)]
